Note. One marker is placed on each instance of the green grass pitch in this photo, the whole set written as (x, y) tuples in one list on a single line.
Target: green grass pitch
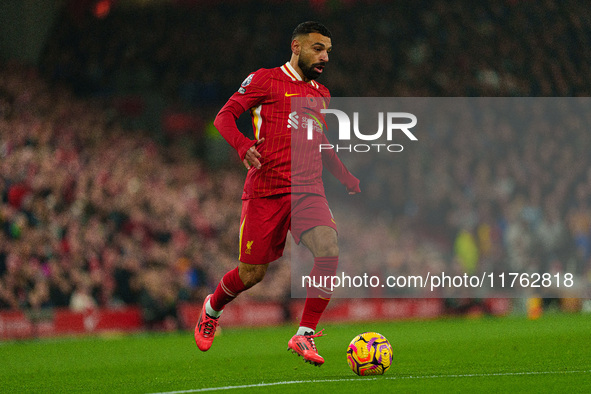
[(551, 354)]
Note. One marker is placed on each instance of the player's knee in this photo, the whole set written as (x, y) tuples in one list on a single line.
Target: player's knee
[(327, 249), (322, 241)]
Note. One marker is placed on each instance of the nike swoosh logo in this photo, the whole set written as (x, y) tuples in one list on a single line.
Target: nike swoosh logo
[(290, 94)]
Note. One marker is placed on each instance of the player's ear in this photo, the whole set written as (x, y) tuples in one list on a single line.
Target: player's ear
[(295, 47)]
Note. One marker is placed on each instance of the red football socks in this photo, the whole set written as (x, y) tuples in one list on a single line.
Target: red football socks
[(229, 287), (318, 297)]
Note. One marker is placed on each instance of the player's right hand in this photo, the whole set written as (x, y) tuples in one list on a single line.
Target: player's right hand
[(252, 156)]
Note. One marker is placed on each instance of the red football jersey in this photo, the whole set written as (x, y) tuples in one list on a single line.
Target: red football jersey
[(267, 94)]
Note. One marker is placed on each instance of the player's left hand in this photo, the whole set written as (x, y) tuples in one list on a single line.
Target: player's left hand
[(353, 185)]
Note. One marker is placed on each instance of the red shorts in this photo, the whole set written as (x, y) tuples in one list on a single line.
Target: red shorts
[(264, 223)]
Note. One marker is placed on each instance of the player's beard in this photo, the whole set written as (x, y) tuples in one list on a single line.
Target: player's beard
[(308, 69)]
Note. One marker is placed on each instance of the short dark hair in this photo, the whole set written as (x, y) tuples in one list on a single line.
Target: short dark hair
[(310, 27)]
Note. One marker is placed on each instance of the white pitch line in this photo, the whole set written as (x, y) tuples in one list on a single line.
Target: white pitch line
[(475, 375)]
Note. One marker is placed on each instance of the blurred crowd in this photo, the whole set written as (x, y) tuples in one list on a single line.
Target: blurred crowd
[(92, 214)]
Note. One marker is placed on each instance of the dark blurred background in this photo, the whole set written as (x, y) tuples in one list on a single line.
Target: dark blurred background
[(116, 189)]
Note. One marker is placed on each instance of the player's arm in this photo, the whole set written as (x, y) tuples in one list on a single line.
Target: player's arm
[(251, 93), (225, 122), (331, 161)]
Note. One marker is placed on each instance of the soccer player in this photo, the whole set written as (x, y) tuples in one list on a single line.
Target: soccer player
[(275, 193)]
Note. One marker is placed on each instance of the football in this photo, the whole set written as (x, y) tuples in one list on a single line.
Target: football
[(369, 353)]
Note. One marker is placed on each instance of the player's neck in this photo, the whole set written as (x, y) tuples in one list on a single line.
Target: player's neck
[(294, 63)]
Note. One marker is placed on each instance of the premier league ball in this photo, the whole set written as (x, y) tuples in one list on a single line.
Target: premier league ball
[(369, 353)]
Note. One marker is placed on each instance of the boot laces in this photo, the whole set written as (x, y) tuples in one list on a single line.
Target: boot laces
[(209, 325), (310, 338)]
